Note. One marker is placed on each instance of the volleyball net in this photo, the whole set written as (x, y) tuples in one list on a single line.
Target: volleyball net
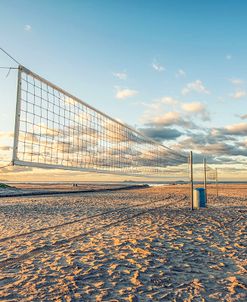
[(54, 129), (210, 176), (211, 173)]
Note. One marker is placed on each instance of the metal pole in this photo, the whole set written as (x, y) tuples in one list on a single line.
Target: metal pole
[(216, 179), (17, 116), (205, 176), (191, 180)]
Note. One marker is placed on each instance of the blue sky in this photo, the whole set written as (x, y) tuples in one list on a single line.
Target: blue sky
[(152, 64)]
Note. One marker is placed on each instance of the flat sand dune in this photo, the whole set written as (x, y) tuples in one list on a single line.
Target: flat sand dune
[(135, 245)]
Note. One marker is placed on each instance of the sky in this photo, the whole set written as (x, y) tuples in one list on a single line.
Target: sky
[(175, 70)]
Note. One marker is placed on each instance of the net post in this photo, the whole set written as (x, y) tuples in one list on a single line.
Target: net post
[(205, 176), (216, 180), (17, 116), (191, 180)]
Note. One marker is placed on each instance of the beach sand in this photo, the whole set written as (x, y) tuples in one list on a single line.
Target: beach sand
[(133, 245)]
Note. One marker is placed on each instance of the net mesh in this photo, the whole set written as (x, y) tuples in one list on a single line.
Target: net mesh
[(211, 173), (55, 129)]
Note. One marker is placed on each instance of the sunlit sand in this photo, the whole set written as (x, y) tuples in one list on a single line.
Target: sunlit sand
[(135, 245)]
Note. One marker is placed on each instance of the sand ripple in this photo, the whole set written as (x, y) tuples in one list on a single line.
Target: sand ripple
[(166, 254)]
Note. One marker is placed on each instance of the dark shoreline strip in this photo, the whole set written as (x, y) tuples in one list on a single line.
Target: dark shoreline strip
[(45, 193)]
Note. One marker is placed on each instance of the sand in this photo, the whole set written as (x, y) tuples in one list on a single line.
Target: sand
[(135, 245)]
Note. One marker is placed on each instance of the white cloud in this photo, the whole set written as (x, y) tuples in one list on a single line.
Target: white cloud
[(27, 27), (6, 134), (158, 67), (243, 116), (236, 81), (196, 108), (123, 93), (6, 142), (183, 114), (166, 119), (196, 86), (158, 104), (228, 56), (154, 105), (168, 100), (237, 129), (239, 94), (193, 107), (180, 73), (233, 130), (120, 75)]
